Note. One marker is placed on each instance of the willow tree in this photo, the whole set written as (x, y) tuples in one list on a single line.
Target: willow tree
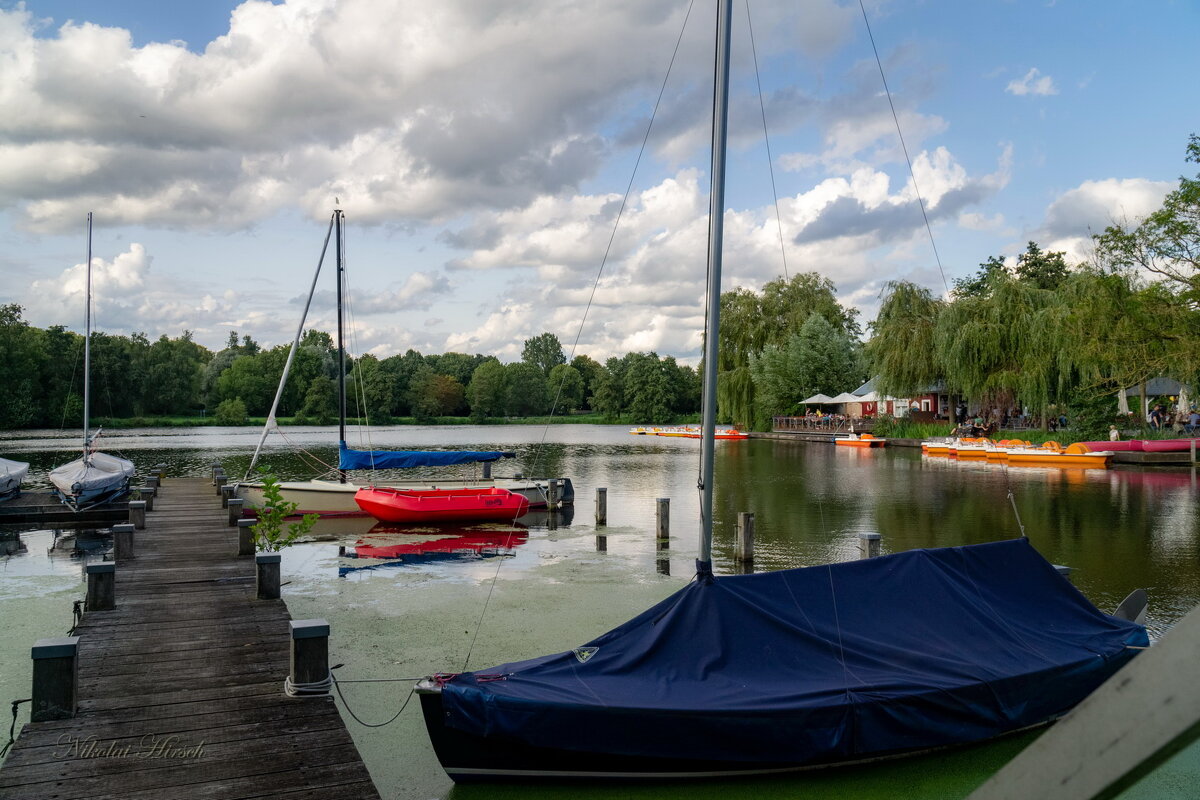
[(817, 358), (901, 351), (751, 321)]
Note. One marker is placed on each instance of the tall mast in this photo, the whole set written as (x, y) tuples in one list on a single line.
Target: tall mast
[(87, 347), (341, 268), (716, 229)]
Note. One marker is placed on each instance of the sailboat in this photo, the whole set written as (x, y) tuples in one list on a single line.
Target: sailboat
[(337, 497), (12, 473), (788, 670), (94, 477)]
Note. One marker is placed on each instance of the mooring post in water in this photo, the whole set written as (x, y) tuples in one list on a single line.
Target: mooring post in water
[(551, 494), (227, 495), (246, 536), (487, 470), (235, 510), (123, 541), (601, 506), (744, 551), (152, 483), (310, 657), (54, 678), (868, 544), (662, 522), (101, 587), (137, 513), (268, 575), (601, 543)]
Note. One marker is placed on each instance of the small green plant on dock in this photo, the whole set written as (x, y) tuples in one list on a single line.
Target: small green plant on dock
[(271, 534)]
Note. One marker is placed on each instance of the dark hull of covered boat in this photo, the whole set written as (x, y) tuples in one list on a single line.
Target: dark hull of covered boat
[(790, 670), (467, 758)]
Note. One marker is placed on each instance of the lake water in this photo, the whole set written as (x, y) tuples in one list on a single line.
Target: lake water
[(558, 581)]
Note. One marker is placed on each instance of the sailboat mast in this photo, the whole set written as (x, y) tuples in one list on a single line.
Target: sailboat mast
[(341, 268), (716, 229), (87, 346)]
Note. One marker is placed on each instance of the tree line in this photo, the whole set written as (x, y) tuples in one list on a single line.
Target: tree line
[(132, 377), (1032, 332)]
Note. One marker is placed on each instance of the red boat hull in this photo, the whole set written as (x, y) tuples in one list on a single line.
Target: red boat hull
[(440, 505)]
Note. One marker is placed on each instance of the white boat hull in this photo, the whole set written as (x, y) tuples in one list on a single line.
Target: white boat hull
[(330, 498), (98, 477), (12, 473)]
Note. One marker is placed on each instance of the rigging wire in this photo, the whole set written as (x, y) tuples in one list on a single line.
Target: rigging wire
[(540, 449), (766, 138), (904, 147), (616, 225)]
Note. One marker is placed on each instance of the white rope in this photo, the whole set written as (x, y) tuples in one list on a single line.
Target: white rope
[(313, 689)]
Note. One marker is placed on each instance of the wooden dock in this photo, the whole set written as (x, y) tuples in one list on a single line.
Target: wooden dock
[(181, 686)]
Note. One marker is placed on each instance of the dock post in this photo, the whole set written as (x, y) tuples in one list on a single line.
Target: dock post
[(152, 483), (101, 587), (310, 657), (601, 506), (487, 470), (147, 496), (161, 471), (552, 494), (54, 678), (1193, 449), (268, 575), (235, 510), (246, 536), (227, 495), (869, 544), (662, 522), (221, 481), (216, 470), (123, 541), (137, 513), (744, 551)]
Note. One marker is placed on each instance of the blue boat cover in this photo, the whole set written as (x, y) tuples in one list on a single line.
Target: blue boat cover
[(393, 459), (822, 664)]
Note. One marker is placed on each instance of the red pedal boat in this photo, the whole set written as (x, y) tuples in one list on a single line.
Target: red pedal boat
[(440, 505)]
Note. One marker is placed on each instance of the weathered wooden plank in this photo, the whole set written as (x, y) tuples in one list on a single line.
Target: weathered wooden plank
[(1135, 721), (189, 652)]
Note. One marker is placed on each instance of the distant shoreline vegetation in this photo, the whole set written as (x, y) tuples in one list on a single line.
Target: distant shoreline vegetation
[(577, 418)]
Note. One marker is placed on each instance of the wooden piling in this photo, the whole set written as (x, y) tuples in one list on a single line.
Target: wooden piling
[(601, 506), (221, 481), (123, 541), (552, 494), (152, 483), (268, 565), (161, 471), (101, 587), (147, 496), (227, 495), (744, 550), (54, 678), (235, 510), (487, 470), (662, 522), (869, 545), (246, 536), (310, 655), (137, 513)]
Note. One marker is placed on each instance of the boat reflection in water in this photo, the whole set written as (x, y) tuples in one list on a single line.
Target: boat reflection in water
[(394, 546)]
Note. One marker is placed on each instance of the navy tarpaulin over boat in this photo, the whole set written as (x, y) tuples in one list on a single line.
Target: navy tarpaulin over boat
[(913, 650), (394, 459)]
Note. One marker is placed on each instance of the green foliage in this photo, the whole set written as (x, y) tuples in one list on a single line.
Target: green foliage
[(1090, 414), (433, 395), (901, 348), (231, 412), (528, 393), (270, 532), (487, 393), (648, 395), (544, 352), (566, 389), (817, 358), (320, 402), (369, 390)]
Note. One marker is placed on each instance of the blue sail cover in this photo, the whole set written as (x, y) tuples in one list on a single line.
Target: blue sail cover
[(393, 459), (821, 664)]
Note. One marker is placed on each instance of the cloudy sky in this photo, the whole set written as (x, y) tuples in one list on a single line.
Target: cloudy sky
[(481, 150)]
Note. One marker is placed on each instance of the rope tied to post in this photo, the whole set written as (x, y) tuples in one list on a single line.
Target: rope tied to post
[(12, 729)]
